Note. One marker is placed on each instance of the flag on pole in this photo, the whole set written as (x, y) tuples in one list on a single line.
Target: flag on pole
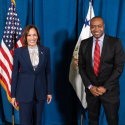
[(12, 38), (74, 76)]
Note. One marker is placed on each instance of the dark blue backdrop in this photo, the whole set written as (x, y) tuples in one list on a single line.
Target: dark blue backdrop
[(60, 27)]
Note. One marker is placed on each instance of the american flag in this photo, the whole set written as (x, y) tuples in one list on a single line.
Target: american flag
[(12, 38)]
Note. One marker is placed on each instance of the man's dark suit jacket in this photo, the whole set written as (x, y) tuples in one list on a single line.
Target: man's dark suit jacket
[(111, 64), (25, 82)]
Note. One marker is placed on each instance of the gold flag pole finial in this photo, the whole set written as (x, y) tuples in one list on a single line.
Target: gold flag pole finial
[(13, 2)]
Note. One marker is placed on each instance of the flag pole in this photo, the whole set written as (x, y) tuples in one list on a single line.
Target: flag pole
[(13, 2), (12, 115)]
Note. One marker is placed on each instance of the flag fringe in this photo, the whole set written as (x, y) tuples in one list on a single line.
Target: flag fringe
[(9, 99)]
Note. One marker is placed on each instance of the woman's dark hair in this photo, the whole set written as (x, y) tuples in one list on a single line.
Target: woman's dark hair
[(25, 34)]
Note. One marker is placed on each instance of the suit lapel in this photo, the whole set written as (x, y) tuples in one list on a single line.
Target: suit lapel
[(41, 57), (105, 43), (26, 57), (90, 51)]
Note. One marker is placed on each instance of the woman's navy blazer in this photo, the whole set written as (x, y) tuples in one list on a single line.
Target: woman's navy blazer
[(27, 81)]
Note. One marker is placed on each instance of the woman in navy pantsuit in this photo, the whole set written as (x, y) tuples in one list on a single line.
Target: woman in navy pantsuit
[(31, 86)]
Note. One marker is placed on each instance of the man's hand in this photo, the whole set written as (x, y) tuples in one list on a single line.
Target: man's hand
[(49, 98), (94, 91), (101, 89)]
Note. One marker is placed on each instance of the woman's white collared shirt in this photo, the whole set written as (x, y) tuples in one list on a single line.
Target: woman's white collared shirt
[(34, 56)]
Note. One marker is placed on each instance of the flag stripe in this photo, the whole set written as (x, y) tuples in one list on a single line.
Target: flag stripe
[(10, 58), (4, 59), (11, 52), (6, 67), (19, 44), (5, 80)]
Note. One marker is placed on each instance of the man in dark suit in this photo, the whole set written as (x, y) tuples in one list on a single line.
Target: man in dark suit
[(101, 62)]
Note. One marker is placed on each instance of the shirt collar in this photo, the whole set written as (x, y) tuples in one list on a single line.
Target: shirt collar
[(30, 48), (100, 39)]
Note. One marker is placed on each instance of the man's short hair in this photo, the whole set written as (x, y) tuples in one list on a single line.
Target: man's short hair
[(96, 17)]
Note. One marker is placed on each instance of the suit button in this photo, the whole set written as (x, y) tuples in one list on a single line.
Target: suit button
[(34, 74)]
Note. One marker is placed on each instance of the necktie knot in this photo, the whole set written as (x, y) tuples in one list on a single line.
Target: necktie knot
[(97, 40)]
